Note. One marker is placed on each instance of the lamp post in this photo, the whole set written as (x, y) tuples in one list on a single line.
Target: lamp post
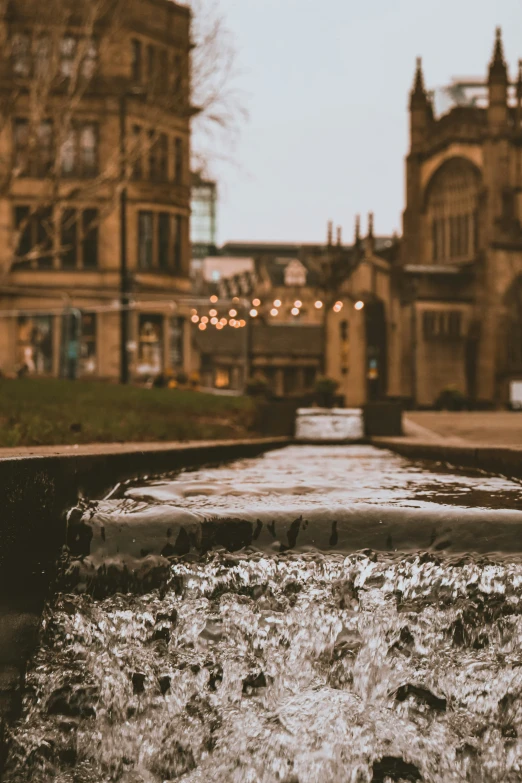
[(124, 277)]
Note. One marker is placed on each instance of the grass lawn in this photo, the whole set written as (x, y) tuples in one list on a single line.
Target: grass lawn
[(38, 412)]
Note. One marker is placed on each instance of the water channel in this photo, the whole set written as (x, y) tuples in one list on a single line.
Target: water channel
[(275, 660)]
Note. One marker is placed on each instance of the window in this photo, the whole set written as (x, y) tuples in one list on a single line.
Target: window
[(79, 152), (145, 240), (88, 138), (24, 229), (178, 244), (136, 60), (178, 161), (163, 239), (68, 52), (295, 274), (88, 362), (35, 344), (444, 324), (163, 156), (176, 353), (90, 220), (153, 156), (21, 146), (44, 162), (89, 59), (452, 205), (21, 55), (44, 237), (150, 351), (68, 154), (69, 239), (137, 153), (222, 378)]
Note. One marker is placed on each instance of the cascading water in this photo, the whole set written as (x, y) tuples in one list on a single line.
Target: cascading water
[(287, 666)]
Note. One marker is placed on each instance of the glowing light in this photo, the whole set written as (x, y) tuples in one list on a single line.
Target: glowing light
[(253, 313), (213, 321), (195, 319), (359, 305), (194, 311), (298, 304), (213, 313), (202, 327), (256, 302), (232, 313), (213, 299), (295, 311), (235, 299), (237, 325), (337, 308), (339, 304), (318, 305), (277, 303), (242, 323), (223, 322), (204, 320), (232, 322), (274, 311), (219, 325)]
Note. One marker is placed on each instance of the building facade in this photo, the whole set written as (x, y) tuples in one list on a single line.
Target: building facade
[(95, 188), (460, 269)]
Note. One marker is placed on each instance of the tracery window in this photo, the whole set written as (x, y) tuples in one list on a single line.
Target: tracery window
[(452, 210)]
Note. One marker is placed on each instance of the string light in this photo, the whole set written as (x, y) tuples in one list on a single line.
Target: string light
[(318, 305), (242, 323), (235, 299), (256, 302), (219, 325), (213, 313), (195, 319), (194, 311), (359, 305), (274, 311), (202, 326), (338, 306), (253, 313), (204, 320), (232, 313), (277, 303), (213, 321), (213, 299), (232, 322), (295, 311), (237, 325), (298, 304), (223, 322)]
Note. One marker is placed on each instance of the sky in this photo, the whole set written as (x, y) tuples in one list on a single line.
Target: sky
[(326, 86)]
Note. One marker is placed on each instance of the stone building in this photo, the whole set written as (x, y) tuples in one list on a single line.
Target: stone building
[(94, 174), (459, 279), (295, 318)]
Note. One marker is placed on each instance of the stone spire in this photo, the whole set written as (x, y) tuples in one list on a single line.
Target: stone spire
[(497, 67), (418, 95), (329, 240)]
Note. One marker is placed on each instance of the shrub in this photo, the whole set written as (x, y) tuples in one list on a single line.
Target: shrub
[(258, 387), (325, 389), (182, 378), (451, 399)]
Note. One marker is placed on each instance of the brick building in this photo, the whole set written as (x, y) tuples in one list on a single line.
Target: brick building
[(460, 271), (100, 159)]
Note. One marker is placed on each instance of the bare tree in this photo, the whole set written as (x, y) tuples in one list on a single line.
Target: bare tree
[(220, 103)]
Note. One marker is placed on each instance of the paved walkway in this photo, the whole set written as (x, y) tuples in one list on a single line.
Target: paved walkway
[(495, 428)]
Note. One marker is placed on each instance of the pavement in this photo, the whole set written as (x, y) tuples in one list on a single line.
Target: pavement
[(478, 428)]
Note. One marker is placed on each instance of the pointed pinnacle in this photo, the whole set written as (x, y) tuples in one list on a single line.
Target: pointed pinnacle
[(497, 66)]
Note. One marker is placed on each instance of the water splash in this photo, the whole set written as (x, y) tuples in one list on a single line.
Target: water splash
[(288, 668)]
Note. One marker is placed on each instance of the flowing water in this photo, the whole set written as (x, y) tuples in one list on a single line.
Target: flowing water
[(288, 666)]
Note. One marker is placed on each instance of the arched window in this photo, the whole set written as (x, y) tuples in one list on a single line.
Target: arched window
[(295, 274), (452, 205)]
